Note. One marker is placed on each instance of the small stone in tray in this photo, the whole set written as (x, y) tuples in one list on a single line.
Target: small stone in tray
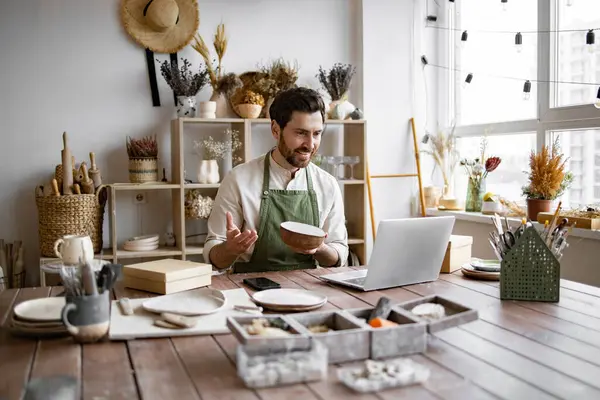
[(268, 327), (430, 311), (320, 328), (380, 375)]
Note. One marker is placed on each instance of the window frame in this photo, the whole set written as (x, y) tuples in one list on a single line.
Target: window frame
[(548, 119)]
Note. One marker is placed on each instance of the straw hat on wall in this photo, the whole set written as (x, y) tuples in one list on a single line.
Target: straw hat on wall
[(163, 26)]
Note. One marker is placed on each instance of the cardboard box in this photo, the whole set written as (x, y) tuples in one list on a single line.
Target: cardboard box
[(457, 253), (167, 276)]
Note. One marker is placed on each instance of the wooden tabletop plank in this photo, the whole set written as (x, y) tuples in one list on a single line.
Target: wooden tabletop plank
[(7, 299), (544, 355), (462, 284), (502, 317), (496, 381), (580, 287), (17, 353), (210, 369), (107, 372), (544, 378)]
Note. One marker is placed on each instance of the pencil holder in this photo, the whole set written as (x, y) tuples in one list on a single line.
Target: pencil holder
[(530, 271)]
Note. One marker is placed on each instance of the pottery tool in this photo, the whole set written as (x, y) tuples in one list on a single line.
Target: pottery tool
[(78, 175), (548, 236), (125, 305), (67, 166), (39, 191), (87, 185), (55, 190), (165, 324), (76, 188), (94, 171), (382, 309), (179, 320), (164, 178), (58, 174)]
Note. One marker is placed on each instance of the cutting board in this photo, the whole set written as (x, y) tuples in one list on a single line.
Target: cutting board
[(141, 323)]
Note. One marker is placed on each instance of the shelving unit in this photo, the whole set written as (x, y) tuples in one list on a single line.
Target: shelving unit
[(354, 191)]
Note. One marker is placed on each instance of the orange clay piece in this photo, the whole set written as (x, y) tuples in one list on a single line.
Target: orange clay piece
[(381, 323)]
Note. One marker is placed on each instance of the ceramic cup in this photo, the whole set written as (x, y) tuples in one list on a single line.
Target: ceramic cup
[(87, 318), (71, 248)]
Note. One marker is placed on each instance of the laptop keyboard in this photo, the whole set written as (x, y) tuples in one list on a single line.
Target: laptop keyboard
[(356, 281)]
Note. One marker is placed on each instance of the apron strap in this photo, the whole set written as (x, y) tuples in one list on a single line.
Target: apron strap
[(267, 175)]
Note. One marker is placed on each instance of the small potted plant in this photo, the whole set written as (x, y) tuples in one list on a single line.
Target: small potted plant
[(547, 181), (143, 159), (185, 84), (248, 104), (336, 83)]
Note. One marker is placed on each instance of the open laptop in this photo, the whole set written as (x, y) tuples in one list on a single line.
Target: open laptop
[(405, 252)]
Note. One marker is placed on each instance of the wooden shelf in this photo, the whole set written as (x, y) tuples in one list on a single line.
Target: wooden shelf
[(144, 186), (354, 191)]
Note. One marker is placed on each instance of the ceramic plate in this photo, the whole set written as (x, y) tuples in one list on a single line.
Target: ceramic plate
[(44, 309), (191, 302), (485, 265), (468, 271), (303, 229), (55, 266), (144, 239), (289, 298)]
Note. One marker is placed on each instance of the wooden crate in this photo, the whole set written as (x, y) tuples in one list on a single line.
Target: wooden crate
[(580, 222)]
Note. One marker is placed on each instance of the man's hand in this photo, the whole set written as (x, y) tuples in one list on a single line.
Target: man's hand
[(238, 242)]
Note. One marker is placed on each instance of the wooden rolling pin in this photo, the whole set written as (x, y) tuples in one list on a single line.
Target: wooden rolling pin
[(67, 164), (94, 171), (87, 185)]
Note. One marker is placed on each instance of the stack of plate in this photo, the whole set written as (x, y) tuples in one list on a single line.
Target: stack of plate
[(142, 243), (289, 300), (488, 270), (39, 317)]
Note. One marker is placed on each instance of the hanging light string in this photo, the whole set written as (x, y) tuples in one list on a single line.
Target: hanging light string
[(471, 75), (510, 32)]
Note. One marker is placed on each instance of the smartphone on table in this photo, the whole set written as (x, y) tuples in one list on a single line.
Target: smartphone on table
[(261, 283)]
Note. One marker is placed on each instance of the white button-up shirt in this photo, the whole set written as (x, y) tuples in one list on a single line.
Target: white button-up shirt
[(240, 194)]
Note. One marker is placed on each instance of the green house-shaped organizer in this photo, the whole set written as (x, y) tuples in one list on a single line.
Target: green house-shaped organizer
[(530, 271)]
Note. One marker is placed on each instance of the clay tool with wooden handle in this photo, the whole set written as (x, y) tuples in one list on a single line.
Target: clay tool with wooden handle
[(94, 171), (87, 185), (77, 188), (67, 163), (55, 190)]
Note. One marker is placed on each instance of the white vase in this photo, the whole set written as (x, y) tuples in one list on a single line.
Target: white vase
[(340, 109), (208, 172), (208, 109), (186, 106), (223, 108)]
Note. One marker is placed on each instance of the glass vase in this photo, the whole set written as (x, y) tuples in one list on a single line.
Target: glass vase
[(475, 193)]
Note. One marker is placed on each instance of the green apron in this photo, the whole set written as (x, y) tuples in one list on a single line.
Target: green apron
[(277, 206)]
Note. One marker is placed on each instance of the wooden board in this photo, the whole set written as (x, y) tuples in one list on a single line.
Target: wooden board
[(141, 324), (582, 223)]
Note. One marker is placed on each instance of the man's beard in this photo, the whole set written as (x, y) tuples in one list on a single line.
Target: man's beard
[(292, 156)]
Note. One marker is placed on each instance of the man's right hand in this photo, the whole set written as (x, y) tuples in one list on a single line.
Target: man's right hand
[(238, 242)]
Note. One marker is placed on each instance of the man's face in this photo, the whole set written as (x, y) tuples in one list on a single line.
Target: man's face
[(300, 138)]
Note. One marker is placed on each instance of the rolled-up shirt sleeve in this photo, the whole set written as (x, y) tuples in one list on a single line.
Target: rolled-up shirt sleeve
[(227, 199), (335, 226)]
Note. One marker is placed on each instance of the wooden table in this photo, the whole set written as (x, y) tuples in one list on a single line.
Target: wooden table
[(516, 350)]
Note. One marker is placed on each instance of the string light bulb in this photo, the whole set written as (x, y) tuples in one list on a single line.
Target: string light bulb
[(468, 80), (463, 38), (519, 42), (504, 4), (597, 102), (569, 3), (526, 90), (590, 39)]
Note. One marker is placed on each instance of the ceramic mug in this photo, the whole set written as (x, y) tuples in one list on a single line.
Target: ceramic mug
[(87, 318), (71, 248)]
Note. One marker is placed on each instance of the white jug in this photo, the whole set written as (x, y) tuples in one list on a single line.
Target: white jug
[(71, 248)]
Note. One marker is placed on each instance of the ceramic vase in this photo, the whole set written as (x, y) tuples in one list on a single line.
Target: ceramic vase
[(475, 192), (208, 109), (186, 106), (248, 110), (223, 109), (340, 109), (208, 172)]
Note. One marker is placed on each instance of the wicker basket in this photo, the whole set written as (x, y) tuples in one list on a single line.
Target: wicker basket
[(530, 271), (76, 214), (143, 170)]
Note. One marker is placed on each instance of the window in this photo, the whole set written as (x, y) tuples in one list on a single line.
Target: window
[(489, 56), (574, 52), (493, 101), (510, 176)]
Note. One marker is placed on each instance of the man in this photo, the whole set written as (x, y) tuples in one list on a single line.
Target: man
[(283, 185)]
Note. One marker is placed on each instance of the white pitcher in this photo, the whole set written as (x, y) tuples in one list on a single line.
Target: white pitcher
[(71, 248)]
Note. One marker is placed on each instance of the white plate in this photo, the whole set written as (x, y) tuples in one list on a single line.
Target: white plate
[(55, 266), (201, 301), (284, 297), (44, 309), (303, 229), (144, 239), (135, 247)]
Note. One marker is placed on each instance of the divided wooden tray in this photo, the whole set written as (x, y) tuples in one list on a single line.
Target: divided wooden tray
[(352, 338), (581, 222)]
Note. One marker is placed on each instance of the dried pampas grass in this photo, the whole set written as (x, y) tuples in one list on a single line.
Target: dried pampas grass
[(548, 178)]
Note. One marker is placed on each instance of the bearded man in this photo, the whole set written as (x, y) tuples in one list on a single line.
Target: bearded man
[(282, 185)]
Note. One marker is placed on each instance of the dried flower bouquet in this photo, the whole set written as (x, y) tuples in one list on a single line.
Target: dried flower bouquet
[(182, 80), (146, 147), (337, 80), (211, 149)]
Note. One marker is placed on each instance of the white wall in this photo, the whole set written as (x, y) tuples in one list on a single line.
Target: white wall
[(68, 65)]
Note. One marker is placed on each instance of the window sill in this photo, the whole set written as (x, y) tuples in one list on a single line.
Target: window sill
[(485, 219)]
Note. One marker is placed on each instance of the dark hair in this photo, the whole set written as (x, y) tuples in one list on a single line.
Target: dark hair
[(296, 99)]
